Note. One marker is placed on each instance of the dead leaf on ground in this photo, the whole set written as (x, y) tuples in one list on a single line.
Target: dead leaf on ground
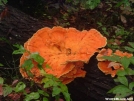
[(123, 19)]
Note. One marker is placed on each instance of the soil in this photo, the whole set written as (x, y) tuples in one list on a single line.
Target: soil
[(95, 85)]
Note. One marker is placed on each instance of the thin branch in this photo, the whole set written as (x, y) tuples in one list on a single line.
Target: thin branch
[(8, 68)]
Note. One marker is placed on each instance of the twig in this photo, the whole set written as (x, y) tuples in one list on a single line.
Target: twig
[(8, 68)]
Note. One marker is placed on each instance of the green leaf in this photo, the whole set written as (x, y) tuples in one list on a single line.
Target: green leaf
[(1, 64), (7, 90), (125, 62), (28, 64), (132, 60), (118, 4), (42, 72), (124, 94), (1, 81), (63, 87), (66, 96), (121, 91), (20, 87), (121, 73), (39, 66), (45, 99), (129, 49), (43, 93), (113, 58), (117, 89), (116, 80), (48, 84), (129, 71), (64, 90), (100, 24), (56, 83), (56, 91), (20, 50), (44, 80), (2, 2), (131, 44), (105, 31), (123, 80), (91, 4), (131, 85), (29, 73), (32, 96), (37, 58)]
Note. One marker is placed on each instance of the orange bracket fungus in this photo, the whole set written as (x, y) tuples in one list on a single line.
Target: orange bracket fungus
[(65, 50), (109, 67)]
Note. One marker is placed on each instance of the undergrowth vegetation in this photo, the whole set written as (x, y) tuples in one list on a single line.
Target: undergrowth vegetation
[(120, 37), (125, 77), (50, 85)]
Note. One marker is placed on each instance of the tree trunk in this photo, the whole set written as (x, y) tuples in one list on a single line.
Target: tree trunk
[(15, 27), (18, 26), (94, 86)]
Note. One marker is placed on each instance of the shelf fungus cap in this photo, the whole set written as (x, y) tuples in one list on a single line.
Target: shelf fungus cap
[(65, 50), (123, 54), (110, 67)]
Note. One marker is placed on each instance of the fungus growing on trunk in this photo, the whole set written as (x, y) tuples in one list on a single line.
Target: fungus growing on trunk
[(65, 50), (110, 67)]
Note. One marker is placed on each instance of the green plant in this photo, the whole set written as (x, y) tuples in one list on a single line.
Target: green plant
[(87, 4), (9, 67), (19, 89), (130, 48), (121, 32), (117, 36), (125, 78), (8, 89), (49, 81), (1, 64), (3, 2), (123, 2), (125, 87), (50, 84), (103, 28)]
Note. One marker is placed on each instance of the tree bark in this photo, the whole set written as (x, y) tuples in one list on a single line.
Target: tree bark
[(16, 27), (19, 26)]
